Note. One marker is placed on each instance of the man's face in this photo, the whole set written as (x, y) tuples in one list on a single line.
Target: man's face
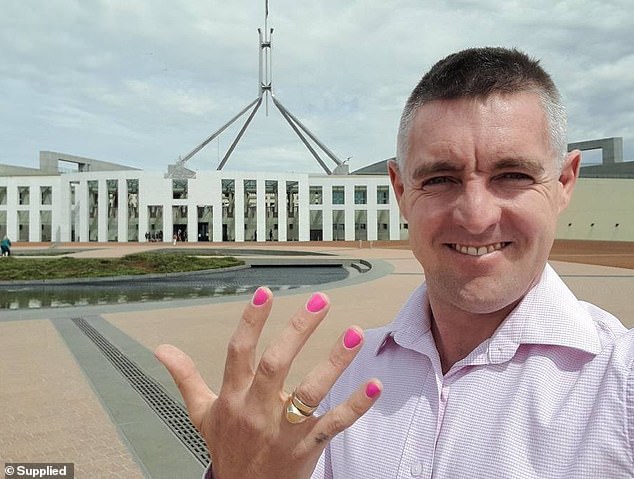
[(482, 193)]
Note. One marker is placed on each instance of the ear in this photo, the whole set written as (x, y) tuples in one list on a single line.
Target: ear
[(568, 177), (397, 183)]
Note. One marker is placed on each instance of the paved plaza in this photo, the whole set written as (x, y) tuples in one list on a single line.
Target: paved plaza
[(81, 385)]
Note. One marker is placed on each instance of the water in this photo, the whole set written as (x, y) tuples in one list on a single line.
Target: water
[(33, 296)]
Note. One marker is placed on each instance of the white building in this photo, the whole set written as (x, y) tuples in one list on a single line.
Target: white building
[(72, 199), (99, 201)]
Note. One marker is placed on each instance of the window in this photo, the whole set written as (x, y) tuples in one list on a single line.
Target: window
[(316, 195), (292, 210), (133, 198), (23, 195), (228, 198), (3, 195), (112, 187), (382, 195), (338, 225), (23, 225), (93, 199), (360, 225), (74, 187), (3, 223), (45, 225), (338, 195), (383, 223), (46, 193), (179, 189), (132, 186), (360, 195)]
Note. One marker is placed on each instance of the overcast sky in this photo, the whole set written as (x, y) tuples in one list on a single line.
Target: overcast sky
[(140, 82)]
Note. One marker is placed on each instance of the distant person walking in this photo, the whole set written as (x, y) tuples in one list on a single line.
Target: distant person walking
[(5, 244)]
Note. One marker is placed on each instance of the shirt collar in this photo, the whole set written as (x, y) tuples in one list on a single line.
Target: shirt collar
[(411, 328), (549, 314)]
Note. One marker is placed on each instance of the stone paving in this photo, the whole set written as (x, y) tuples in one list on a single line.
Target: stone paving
[(56, 407), (49, 412)]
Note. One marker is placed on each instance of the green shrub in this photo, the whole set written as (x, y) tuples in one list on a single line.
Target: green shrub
[(12, 268)]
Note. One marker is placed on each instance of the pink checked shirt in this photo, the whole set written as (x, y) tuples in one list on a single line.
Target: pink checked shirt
[(549, 395)]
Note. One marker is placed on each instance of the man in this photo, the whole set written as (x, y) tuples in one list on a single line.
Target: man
[(492, 368)]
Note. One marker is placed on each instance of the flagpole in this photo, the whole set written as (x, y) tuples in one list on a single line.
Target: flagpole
[(266, 15)]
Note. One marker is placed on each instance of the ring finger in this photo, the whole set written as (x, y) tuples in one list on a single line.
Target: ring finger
[(314, 387)]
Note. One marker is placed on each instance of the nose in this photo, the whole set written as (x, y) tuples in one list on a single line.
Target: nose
[(476, 208)]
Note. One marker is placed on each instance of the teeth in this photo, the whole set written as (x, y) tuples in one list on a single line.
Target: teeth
[(478, 250)]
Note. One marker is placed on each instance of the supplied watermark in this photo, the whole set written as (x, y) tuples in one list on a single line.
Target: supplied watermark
[(41, 470)]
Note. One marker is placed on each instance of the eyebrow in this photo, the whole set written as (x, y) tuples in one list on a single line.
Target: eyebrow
[(512, 163), (436, 167), (520, 163)]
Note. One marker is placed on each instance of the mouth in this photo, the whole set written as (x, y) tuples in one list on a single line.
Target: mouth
[(478, 250)]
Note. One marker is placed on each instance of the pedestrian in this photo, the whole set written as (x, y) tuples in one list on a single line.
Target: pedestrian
[(5, 246)]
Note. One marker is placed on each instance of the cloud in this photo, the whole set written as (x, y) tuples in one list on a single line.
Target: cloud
[(146, 81)]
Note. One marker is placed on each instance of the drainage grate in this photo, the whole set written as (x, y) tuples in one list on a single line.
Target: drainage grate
[(172, 413)]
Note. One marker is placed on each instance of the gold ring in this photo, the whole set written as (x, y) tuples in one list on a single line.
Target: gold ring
[(296, 411), (302, 406)]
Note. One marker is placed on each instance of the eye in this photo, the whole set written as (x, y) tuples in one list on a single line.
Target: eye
[(438, 181), (515, 178)]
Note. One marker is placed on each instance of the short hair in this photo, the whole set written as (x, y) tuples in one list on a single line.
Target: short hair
[(481, 72)]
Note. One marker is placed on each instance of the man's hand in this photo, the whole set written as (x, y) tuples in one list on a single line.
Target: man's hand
[(245, 426)]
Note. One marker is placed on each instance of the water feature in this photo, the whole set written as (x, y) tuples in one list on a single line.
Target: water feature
[(58, 295)]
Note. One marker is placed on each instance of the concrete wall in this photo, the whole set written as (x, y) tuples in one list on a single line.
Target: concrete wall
[(601, 209)]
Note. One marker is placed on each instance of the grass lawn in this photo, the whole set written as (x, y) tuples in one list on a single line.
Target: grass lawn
[(23, 269)]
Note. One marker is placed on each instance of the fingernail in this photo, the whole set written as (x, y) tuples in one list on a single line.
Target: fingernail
[(316, 303), (352, 338), (260, 297), (372, 390)]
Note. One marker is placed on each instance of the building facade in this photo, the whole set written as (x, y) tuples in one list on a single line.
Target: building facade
[(123, 205)]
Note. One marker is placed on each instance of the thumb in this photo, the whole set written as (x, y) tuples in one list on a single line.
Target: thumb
[(197, 396)]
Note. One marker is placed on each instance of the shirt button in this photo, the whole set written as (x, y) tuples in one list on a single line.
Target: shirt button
[(444, 393), (417, 469)]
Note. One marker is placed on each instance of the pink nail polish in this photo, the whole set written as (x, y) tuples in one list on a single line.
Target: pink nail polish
[(372, 390), (316, 303), (260, 297), (352, 338)]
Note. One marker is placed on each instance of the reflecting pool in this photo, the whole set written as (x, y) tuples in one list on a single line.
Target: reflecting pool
[(51, 295)]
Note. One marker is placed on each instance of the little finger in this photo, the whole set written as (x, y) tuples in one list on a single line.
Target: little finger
[(346, 414)]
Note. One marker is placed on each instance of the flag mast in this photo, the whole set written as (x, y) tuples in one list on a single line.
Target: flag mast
[(265, 89)]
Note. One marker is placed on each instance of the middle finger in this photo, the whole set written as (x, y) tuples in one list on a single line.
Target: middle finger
[(278, 356)]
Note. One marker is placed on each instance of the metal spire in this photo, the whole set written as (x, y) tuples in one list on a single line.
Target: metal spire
[(265, 89)]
